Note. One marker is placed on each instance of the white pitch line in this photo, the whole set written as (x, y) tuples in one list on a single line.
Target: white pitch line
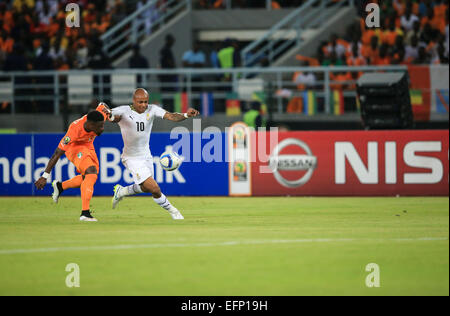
[(214, 244)]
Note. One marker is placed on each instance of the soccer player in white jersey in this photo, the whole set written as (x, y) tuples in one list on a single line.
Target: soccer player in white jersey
[(135, 123)]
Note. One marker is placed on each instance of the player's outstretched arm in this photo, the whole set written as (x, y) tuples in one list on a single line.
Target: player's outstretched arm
[(103, 107), (178, 117), (42, 181)]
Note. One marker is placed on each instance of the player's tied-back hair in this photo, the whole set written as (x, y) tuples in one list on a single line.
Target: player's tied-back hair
[(95, 116)]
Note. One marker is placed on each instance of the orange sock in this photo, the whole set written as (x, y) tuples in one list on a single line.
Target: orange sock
[(73, 183), (87, 190)]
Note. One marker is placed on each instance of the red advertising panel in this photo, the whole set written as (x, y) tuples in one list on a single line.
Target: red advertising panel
[(351, 163)]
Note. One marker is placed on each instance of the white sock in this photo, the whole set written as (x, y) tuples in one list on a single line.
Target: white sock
[(130, 190), (163, 202)]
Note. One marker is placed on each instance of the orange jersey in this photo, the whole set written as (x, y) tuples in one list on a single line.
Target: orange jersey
[(77, 139)]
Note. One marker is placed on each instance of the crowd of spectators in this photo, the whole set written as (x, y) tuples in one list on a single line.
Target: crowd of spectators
[(248, 4), (411, 32), (34, 34)]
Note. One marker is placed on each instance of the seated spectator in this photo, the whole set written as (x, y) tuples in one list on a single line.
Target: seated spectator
[(442, 57), (194, 58), (371, 52), (383, 58), (440, 9), (46, 15), (36, 27), (398, 45), (89, 15), (435, 22), (356, 59), (6, 42), (389, 36), (412, 50), (81, 55), (398, 58), (416, 31), (52, 5), (333, 60), (337, 46), (342, 80), (423, 57), (43, 61), (408, 19), (7, 17), (423, 7), (101, 24), (61, 64), (304, 80), (18, 5), (56, 50)]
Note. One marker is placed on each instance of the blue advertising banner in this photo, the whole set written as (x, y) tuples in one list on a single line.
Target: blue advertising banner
[(23, 158)]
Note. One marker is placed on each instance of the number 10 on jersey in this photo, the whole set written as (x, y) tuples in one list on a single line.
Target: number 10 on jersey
[(140, 126)]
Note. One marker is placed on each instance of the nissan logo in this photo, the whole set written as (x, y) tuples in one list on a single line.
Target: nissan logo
[(279, 162)]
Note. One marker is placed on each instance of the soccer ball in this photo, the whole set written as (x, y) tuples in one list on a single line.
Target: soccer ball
[(170, 160)]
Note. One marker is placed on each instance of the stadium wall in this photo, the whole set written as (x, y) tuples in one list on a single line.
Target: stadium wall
[(362, 163)]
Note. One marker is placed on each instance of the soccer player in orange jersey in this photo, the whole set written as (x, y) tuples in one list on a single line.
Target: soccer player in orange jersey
[(78, 145)]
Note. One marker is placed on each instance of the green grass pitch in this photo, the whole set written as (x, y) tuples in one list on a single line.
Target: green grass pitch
[(226, 246)]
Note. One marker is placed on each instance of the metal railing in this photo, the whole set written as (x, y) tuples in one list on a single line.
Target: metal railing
[(289, 31), (50, 91), (129, 31)]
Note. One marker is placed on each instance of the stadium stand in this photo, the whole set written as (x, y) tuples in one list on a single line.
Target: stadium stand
[(263, 35)]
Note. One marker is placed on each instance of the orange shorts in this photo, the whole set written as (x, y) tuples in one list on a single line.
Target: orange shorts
[(83, 159)]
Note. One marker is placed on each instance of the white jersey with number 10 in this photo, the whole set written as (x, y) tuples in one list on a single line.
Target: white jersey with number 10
[(136, 129)]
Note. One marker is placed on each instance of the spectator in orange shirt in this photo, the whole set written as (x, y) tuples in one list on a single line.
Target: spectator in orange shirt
[(89, 15), (100, 25), (383, 58), (439, 9), (276, 5), (61, 65), (435, 22), (371, 52), (391, 34), (6, 42), (355, 59), (341, 80)]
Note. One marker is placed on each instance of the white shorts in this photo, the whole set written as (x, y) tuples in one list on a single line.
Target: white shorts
[(140, 168)]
